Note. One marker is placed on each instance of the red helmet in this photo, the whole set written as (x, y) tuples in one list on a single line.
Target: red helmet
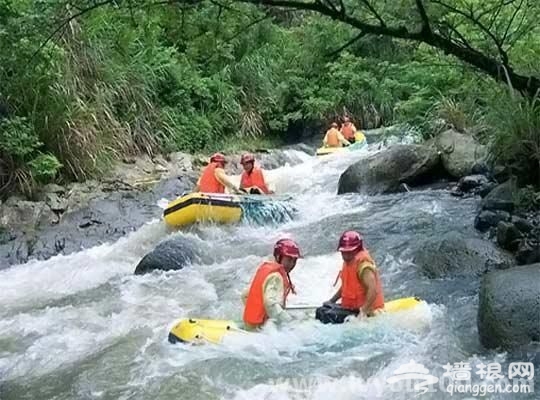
[(286, 247), (247, 158), (218, 158), (351, 241)]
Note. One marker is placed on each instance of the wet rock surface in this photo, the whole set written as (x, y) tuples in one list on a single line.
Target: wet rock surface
[(67, 219), (509, 310)]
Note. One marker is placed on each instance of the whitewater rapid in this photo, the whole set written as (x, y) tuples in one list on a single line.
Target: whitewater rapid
[(83, 326)]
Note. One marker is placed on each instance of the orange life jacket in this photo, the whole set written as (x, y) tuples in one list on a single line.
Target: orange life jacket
[(353, 292), (332, 139), (255, 178), (208, 182), (347, 130), (254, 311)]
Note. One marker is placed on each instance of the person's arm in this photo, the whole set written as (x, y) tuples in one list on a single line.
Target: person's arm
[(367, 277), (221, 176), (197, 187), (342, 139), (273, 298), (325, 140), (336, 296)]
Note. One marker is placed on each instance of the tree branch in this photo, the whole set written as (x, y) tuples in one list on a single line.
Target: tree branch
[(497, 7), (66, 22), (517, 34), (495, 15), (248, 26), (483, 28), (461, 38), (426, 29), (224, 6), (527, 84), (342, 7), (518, 8), (332, 6), (373, 11), (347, 44)]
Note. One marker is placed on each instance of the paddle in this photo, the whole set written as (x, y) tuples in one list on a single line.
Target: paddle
[(302, 307), (252, 197)]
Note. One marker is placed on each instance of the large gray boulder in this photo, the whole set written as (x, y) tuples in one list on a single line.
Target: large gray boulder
[(509, 309), (21, 215), (86, 215), (487, 219), (501, 197), (172, 254), (19, 222), (459, 152), (528, 251), (508, 235), (385, 171), (102, 220), (455, 255)]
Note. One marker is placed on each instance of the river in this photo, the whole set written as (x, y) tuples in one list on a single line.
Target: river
[(84, 327)]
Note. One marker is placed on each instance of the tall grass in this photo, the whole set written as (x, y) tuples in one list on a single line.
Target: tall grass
[(102, 113), (515, 139)]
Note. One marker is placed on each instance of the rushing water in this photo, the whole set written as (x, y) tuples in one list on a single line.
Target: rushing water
[(84, 327)]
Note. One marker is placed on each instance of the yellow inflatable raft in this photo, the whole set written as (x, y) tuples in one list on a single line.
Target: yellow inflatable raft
[(203, 207), (360, 143), (193, 330)]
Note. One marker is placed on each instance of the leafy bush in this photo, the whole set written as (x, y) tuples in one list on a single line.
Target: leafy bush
[(19, 149), (18, 138), (44, 167)]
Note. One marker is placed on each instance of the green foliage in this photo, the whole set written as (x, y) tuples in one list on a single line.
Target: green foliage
[(124, 80), (18, 138), (44, 167), (19, 148)]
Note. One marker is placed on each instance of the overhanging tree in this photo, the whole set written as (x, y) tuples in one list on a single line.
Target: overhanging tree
[(480, 33)]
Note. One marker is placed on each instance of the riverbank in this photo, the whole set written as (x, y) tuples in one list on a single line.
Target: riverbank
[(66, 219), (70, 218)]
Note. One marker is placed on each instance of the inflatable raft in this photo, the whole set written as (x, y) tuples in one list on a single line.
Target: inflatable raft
[(194, 330), (226, 209), (203, 207), (359, 144)]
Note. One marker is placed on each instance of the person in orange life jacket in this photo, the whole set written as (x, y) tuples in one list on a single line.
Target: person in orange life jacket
[(334, 138), (267, 294), (213, 178), (252, 179), (361, 290), (348, 130)]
